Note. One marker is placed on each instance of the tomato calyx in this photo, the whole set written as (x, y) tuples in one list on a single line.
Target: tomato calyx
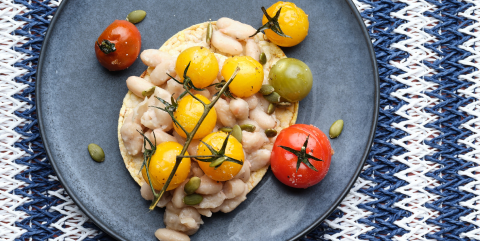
[(219, 86), (302, 155), (187, 83), (106, 46), (272, 24), (147, 155), (217, 157)]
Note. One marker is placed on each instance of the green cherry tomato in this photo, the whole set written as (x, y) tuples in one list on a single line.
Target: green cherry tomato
[(291, 78)]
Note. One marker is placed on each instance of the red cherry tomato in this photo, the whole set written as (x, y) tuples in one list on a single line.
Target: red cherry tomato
[(127, 40), (284, 162)]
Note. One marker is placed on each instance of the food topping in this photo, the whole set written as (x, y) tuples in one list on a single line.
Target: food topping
[(250, 78), (336, 129), (118, 46), (136, 16), (291, 79), (96, 152)]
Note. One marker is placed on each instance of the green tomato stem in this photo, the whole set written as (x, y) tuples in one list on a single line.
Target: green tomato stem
[(189, 139)]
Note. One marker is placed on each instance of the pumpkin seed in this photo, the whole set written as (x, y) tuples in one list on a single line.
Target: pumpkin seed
[(226, 129), (209, 33), (192, 185), (193, 199), (149, 92), (96, 152), (284, 103), (270, 133), (136, 16), (273, 97), (237, 133), (217, 162), (271, 108), (248, 127), (266, 89), (336, 129), (263, 59)]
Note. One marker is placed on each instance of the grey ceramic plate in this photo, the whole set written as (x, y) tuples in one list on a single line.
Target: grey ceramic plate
[(79, 101)]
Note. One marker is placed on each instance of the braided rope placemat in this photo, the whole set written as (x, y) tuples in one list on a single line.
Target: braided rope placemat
[(421, 180)]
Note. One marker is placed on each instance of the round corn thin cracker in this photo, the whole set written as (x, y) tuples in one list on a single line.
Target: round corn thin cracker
[(195, 36)]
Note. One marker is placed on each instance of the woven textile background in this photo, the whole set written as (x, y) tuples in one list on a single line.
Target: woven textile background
[(422, 178)]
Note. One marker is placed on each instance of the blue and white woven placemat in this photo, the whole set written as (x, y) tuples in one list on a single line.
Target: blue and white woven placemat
[(422, 178)]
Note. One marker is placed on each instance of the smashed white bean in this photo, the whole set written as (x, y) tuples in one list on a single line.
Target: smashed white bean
[(146, 192), (180, 219), (224, 115), (239, 108), (160, 137), (226, 44), (264, 120), (192, 148), (160, 74), (195, 170), (233, 188), (155, 118), (205, 93), (253, 141), (209, 186), (259, 159), (137, 85), (252, 49), (165, 234), (178, 195), (235, 29), (252, 101), (174, 88), (164, 200), (211, 201), (153, 57), (230, 204), (205, 212), (132, 140), (244, 173), (262, 102)]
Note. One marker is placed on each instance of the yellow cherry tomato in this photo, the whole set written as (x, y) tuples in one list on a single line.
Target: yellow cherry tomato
[(161, 165), (248, 80), (188, 114), (292, 20), (234, 149), (203, 68)]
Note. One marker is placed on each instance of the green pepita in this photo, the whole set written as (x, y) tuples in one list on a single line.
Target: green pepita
[(149, 92), (218, 162), (270, 133), (237, 133), (284, 103), (192, 185), (96, 152), (273, 97), (271, 108), (136, 16), (193, 199), (226, 129), (209, 33), (336, 129), (248, 127), (266, 89), (263, 59)]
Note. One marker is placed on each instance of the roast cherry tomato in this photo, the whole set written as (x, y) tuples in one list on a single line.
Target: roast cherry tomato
[(248, 80), (234, 149), (293, 21), (188, 114), (291, 78), (161, 165), (127, 40), (203, 67), (284, 163)]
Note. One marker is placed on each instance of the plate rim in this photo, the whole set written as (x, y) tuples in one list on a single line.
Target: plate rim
[(310, 228)]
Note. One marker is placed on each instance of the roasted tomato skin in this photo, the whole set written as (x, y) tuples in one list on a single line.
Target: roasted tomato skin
[(162, 163), (234, 149), (127, 40), (203, 67), (292, 20), (284, 163), (248, 80)]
